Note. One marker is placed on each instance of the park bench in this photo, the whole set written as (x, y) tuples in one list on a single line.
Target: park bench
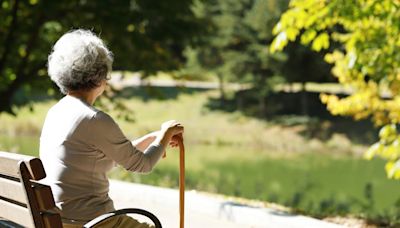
[(25, 201)]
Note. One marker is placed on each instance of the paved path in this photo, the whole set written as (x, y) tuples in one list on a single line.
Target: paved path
[(135, 81), (204, 210)]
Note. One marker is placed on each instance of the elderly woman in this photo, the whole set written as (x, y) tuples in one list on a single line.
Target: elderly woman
[(79, 144)]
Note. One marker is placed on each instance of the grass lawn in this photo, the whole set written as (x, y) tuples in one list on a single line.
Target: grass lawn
[(229, 153)]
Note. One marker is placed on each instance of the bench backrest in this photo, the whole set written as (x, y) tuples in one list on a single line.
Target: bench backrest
[(23, 199)]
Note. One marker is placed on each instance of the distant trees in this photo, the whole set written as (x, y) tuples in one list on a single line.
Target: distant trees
[(302, 66), (236, 49), (366, 59), (145, 35)]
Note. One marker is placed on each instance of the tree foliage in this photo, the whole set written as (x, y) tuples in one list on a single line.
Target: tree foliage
[(234, 49), (145, 35), (365, 59)]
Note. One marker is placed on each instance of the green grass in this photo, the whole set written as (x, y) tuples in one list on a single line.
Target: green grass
[(229, 153), (320, 185)]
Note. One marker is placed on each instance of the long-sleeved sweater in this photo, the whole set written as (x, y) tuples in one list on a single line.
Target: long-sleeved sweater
[(78, 146)]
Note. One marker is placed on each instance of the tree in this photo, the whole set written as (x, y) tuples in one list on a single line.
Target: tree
[(365, 58), (234, 49), (145, 35), (302, 66)]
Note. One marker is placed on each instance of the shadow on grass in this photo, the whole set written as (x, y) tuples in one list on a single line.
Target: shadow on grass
[(299, 108), (144, 92), (286, 109), (147, 93)]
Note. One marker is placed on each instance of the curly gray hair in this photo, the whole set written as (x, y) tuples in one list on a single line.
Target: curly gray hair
[(79, 61)]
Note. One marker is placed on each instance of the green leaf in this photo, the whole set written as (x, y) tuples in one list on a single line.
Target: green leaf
[(130, 28), (33, 2), (22, 51), (5, 5)]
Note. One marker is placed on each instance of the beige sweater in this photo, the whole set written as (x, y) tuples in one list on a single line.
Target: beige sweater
[(78, 146)]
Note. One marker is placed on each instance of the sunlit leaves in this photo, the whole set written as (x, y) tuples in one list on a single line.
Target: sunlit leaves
[(130, 28), (5, 5), (373, 151), (387, 148), (143, 36), (320, 42), (279, 42), (367, 60), (33, 2), (22, 51), (393, 169), (308, 36)]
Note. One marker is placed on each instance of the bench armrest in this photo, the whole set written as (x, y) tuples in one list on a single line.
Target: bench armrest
[(101, 218)]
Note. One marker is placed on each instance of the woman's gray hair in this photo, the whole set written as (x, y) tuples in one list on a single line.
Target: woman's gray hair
[(79, 61)]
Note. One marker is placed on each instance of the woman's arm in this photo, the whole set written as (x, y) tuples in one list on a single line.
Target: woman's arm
[(113, 143), (160, 136), (143, 142)]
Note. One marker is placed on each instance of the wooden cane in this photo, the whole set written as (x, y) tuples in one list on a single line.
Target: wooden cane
[(181, 182), (179, 139)]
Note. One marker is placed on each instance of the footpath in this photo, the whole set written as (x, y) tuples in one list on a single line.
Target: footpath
[(205, 210)]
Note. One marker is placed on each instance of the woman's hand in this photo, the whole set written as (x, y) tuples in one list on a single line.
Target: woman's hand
[(175, 140), (172, 128), (169, 130)]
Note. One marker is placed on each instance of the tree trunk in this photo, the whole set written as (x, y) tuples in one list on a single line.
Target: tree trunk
[(240, 100), (22, 75), (262, 106), (262, 91), (221, 88), (304, 100)]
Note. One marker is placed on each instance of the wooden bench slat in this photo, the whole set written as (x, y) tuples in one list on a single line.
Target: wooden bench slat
[(23, 199), (15, 213), (33, 204), (12, 190), (44, 196), (52, 220), (9, 165)]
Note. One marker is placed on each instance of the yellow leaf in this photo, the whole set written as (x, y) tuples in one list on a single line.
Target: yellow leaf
[(292, 33), (393, 169), (279, 42), (372, 151), (352, 58), (320, 42), (388, 168), (308, 36), (388, 132), (277, 28)]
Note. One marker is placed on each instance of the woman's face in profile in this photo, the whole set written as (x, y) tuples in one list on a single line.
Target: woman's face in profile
[(100, 89)]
